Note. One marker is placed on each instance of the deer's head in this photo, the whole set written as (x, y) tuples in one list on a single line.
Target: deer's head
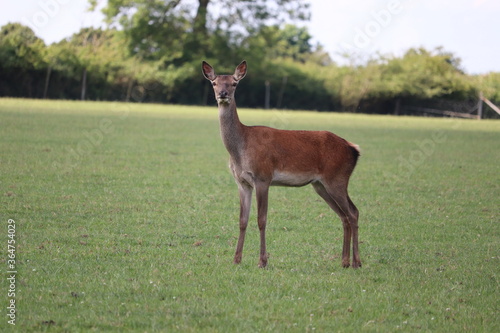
[(224, 85)]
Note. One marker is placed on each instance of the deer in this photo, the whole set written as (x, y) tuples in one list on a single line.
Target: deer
[(260, 157)]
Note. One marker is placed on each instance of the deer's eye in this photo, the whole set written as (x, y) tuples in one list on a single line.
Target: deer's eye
[(235, 84), (214, 84)]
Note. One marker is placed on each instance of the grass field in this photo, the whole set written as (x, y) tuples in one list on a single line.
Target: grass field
[(126, 220)]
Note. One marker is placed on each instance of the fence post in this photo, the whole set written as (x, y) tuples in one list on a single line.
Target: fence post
[(47, 79), (397, 107), (491, 105), (480, 106), (282, 91), (268, 95), (84, 83)]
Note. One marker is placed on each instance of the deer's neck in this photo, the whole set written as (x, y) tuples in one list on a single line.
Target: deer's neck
[(231, 129)]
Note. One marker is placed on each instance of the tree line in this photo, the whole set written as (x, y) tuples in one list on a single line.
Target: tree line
[(151, 51)]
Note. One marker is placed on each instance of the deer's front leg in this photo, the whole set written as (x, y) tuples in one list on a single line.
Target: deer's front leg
[(245, 202), (262, 191)]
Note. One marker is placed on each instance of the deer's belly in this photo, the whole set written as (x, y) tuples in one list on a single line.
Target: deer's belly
[(281, 178)]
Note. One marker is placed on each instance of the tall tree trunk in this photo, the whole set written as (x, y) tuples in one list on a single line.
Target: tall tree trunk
[(196, 44), (200, 21)]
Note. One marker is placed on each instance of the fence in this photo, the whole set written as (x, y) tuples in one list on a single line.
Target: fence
[(445, 108)]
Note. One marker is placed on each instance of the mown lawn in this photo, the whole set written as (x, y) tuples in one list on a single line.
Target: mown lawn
[(126, 220)]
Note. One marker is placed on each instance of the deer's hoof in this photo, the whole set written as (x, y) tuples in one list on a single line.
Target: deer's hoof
[(356, 264), (263, 263)]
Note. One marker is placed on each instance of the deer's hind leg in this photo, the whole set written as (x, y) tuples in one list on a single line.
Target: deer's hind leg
[(356, 260), (337, 198)]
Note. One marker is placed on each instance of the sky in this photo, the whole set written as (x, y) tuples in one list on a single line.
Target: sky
[(466, 28)]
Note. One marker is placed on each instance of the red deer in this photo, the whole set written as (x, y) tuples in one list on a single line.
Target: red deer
[(262, 156)]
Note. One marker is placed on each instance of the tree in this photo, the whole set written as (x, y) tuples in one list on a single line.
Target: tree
[(20, 48), (22, 59), (424, 74), (242, 17), (170, 30), (288, 42)]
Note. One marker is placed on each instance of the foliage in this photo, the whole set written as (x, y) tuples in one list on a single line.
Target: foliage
[(490, 85), (127, 219), (420, 73), (156, 31), (288, 42), (100, 53), (170, 31), (20, 48), (22, 60)]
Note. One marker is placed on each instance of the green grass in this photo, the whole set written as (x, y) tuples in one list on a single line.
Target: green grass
[(127, 214)]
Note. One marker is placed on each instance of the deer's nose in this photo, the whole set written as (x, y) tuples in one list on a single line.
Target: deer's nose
[(223, 94)]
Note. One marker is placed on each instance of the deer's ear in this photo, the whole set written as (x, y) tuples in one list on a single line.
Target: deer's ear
[(240, 71), (208, 71)]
